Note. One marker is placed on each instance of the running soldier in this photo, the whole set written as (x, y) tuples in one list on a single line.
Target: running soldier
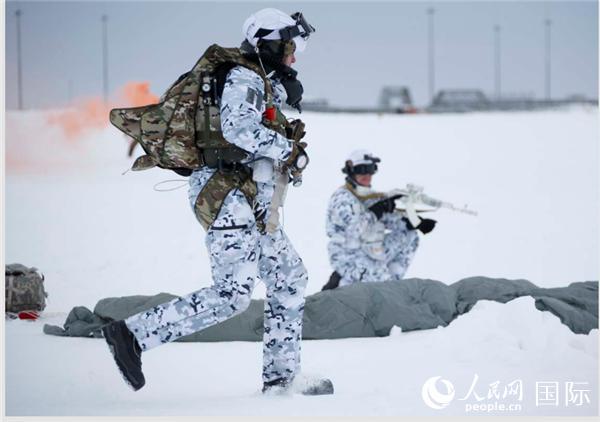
[(369, 240), (245, 240)]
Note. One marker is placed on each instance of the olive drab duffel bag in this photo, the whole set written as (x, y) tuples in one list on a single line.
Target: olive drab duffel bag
[(24, 289)]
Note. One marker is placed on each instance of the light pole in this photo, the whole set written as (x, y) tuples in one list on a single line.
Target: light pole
[(497, 77), (548, 25), (430, 13), (105, 58), (18, 14)]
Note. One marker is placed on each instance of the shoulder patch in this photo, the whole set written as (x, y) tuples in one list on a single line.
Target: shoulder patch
[(254, 98)]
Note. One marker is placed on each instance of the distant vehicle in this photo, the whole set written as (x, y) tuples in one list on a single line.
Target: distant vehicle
[(396, 99), (458, 101)]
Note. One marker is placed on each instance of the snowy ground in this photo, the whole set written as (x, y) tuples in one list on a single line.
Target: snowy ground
[(94, 233)]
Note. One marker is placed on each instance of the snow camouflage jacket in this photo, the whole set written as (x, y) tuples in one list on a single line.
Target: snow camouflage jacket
[(242, 107), (359, 248)]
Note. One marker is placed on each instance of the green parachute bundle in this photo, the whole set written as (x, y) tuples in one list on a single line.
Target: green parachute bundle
[(183, 131)]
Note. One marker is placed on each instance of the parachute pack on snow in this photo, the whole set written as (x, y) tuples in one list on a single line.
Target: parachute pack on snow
[(183, 131)]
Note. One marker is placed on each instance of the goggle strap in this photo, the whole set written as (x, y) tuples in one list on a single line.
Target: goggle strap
[(290, 32)]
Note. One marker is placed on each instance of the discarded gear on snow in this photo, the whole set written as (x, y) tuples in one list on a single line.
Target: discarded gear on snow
[(25, 296)]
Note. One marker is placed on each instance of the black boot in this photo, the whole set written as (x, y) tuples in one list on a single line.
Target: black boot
[(333, 282), (278, 386), (126, 352)]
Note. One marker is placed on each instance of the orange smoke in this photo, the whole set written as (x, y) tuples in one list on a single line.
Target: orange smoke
[(85, 114), (138, 94), (90, 114)]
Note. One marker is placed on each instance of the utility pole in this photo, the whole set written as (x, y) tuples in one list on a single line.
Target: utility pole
[(497, 68), (430, 13), (548, 25), (18, 14), (105, 58)]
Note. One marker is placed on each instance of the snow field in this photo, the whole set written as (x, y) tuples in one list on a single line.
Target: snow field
[(95, 233)]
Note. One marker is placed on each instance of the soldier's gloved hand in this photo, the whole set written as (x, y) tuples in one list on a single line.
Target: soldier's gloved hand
[(384, 206), (425, 226), (295, 130), (298, 159)]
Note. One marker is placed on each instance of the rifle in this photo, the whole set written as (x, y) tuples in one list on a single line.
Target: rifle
[(412, 199)]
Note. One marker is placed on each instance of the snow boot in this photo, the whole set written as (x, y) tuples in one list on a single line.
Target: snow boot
[(318, 387), (126, 351), (334, 281), (302, 385)]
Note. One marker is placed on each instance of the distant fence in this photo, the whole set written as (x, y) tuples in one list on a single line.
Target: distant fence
[(451, 101)]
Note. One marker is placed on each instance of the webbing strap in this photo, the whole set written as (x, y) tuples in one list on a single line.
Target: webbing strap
[(211, 198), (374, 195)]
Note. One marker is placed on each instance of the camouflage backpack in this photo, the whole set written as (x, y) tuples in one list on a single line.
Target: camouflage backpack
[(24, 289), (183, 131)]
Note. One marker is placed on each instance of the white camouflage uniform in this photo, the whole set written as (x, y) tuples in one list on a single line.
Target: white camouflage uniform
[(238, 251), (362, 248)]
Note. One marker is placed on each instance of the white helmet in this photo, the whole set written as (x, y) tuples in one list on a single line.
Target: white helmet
[(273, 24), (361, 161)]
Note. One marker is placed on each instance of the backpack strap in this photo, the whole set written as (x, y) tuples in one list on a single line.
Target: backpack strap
[(212, 196), (373, 195)]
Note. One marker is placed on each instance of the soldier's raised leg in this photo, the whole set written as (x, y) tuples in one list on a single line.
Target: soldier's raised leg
[(233, 258)]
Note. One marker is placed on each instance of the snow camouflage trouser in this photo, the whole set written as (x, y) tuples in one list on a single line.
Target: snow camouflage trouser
[(356, 265), (237, 255)]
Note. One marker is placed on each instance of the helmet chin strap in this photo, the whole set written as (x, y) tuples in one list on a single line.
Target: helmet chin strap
[(260, 60), (360, 190)]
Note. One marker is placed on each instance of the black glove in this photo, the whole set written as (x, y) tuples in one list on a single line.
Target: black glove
[(295, 130), (381, 207), (425, 226)]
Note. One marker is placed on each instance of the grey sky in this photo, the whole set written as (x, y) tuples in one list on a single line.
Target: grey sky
[(358, 46)]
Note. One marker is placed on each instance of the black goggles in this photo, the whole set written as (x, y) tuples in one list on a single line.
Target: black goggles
[(366, 168), (370, 168), (302, 28)]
